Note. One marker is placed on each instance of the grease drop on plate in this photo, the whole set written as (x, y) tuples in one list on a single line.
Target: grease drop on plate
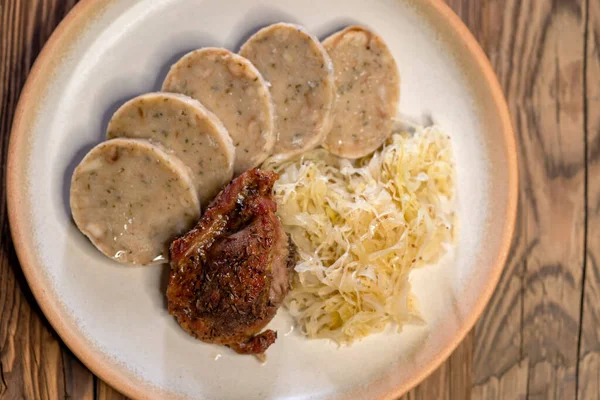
[(290, 331)]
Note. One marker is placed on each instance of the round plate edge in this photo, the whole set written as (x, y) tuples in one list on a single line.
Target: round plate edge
[(19, 224)]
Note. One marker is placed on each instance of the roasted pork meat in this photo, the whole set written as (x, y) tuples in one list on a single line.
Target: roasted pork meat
[(229, 274)]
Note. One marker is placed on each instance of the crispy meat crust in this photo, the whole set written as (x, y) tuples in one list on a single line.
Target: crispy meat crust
[(221, 271)]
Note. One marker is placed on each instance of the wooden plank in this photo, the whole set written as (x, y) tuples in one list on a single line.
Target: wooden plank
[(79, 381), (498, 372), (589, 362), (105, 392), (33, 362), (551, 116), (511, 384), (526, 341)]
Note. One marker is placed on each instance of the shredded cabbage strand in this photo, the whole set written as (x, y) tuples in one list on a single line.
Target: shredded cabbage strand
[(360, 228)]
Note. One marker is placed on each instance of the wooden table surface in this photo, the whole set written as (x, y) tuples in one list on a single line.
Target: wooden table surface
[(539, 337)]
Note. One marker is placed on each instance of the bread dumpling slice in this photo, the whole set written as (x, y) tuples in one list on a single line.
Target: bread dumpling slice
[(368, 89), (234, 90), (186, 128), (132, 199), (302, 84)]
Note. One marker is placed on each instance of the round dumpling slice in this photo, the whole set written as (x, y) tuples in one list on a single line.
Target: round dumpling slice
[(302, 84), (185, 127), (132, 199), (368, 87), (232, 88)]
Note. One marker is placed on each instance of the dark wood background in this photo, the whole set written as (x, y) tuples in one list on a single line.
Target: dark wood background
[(539, 337)]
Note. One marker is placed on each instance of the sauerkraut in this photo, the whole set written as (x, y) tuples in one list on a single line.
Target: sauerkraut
[(361, 227)]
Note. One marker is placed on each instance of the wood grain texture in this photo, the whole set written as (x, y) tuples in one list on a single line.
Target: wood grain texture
[(526, 343), (552, 119), (105, 392), (512, 384), (589, 356), (539, 337), (497, 348)]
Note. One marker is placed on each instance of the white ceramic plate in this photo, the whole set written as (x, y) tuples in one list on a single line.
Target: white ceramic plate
[(114, 318)]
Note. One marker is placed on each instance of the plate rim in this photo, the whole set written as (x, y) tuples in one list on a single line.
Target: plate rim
[(25, 112)]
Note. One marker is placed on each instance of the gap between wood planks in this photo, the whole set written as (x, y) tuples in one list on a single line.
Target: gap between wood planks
[(586, 195)]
